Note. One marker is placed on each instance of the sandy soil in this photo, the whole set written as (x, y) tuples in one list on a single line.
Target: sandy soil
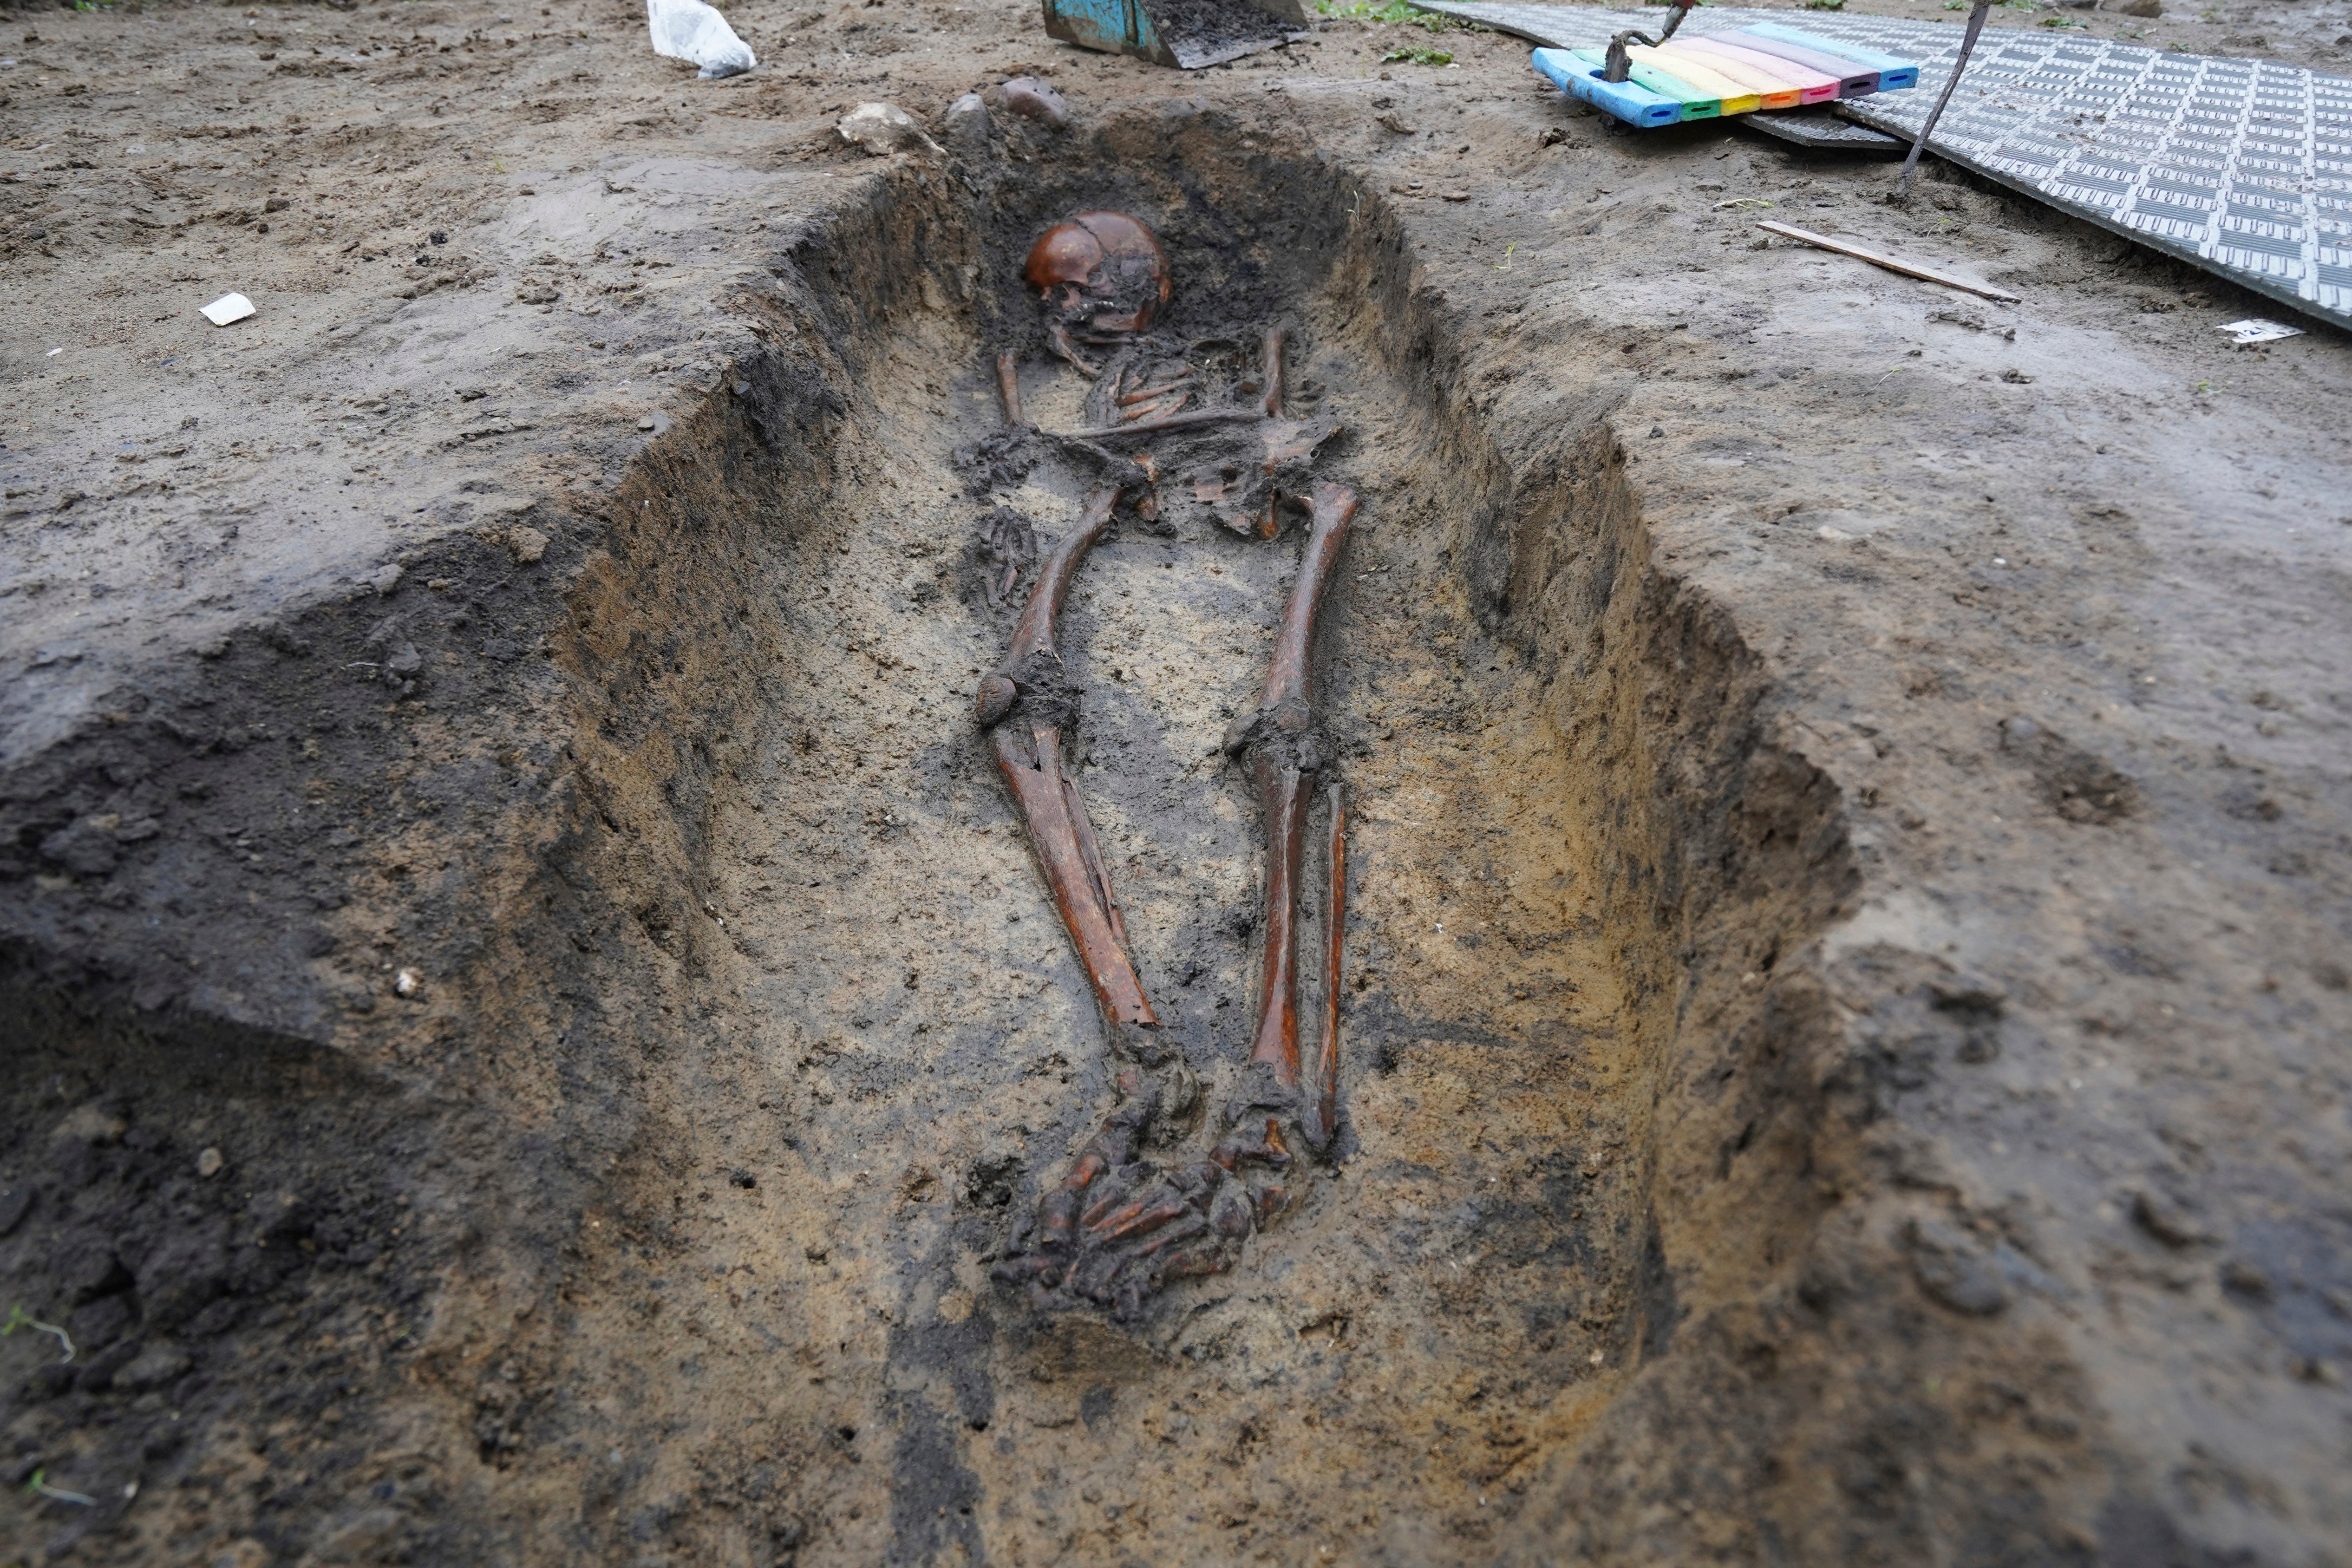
[(538, 1019)]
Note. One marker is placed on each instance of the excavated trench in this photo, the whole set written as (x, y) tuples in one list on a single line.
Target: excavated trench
[(769, 1126)]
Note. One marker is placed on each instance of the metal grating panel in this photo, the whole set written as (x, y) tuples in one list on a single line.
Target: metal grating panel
[(1818, 128), (2241, 166)]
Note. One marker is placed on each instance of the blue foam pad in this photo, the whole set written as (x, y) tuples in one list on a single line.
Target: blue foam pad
[(1629, 101)]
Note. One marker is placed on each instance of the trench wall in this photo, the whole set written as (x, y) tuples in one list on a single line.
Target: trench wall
[(1722, 853), (1778, 1406), (496, 770)]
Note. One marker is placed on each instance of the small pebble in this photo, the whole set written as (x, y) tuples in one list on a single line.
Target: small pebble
[(208, 1163)]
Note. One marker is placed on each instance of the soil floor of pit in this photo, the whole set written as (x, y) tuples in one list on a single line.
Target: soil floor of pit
[(901, 990), (2046, 604)]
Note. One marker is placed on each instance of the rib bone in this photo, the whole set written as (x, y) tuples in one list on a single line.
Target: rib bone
[(1149, 393)]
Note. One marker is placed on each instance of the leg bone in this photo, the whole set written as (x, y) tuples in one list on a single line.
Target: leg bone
[(1321, 1119), (1008, 384), (1090, 852), (1119, 1228), (1025, 703), (1281, 740)]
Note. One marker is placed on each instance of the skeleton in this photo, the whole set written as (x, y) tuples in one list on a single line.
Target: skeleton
[(1119, 1226)]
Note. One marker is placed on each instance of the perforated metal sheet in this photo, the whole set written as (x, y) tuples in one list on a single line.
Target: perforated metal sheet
[(2241, 166)]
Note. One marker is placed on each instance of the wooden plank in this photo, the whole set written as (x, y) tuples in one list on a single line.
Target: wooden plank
[(1909, 270)]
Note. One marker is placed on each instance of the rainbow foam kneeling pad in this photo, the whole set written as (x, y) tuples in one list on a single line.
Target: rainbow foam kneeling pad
[(1765, 65)]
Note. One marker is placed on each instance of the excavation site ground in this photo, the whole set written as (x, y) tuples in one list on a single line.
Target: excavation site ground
[(544, 1026)]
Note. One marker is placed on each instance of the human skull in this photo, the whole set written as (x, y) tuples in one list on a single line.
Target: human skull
[(1101, 273)]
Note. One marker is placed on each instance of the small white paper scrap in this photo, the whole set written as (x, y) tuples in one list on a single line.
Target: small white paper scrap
[(2258, 332), (228, 308)]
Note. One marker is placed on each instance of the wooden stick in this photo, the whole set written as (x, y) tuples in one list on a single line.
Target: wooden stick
[(1908, 269), (1919, 142)]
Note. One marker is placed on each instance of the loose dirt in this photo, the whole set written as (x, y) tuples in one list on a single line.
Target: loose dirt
[(534, 1019)]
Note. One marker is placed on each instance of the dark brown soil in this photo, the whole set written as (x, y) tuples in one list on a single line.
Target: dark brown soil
[(532, 1016)]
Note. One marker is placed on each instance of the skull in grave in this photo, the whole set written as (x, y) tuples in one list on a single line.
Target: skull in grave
[(1102, 274)]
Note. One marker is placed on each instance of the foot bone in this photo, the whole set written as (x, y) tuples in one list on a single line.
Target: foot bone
[(1119, 1228)]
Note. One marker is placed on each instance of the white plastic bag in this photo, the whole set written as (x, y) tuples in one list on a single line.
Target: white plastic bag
[(2255, 330), (691, 30)]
